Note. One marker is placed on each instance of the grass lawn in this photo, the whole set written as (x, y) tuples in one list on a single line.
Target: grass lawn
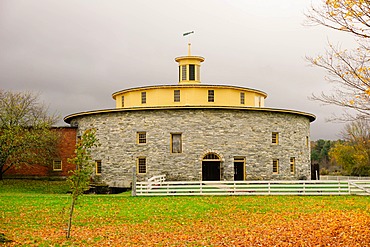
[(34, 213)]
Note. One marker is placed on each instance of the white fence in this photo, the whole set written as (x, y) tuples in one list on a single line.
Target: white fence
[(307, 187), (324, 177)]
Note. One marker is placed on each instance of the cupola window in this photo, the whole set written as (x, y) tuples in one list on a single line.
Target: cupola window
[(191, 72), (183, 72)]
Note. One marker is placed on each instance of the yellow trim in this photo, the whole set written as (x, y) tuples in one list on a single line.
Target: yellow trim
[(61, 165), (275, 138), (115, 94), (292, 164), (275, 161), (171, 143), (96, 167), (68, 118), (138, 137), (137, 165)]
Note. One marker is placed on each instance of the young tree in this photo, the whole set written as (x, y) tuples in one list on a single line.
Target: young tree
[(80, 178), (26, 136), (349, 70)]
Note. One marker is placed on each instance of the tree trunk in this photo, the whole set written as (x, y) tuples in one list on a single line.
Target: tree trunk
[(74, 198)]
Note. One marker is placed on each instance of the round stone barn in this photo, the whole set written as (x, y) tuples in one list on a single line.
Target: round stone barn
[(194, 131)]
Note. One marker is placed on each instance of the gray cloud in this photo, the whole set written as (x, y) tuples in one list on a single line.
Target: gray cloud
[(77, 53)]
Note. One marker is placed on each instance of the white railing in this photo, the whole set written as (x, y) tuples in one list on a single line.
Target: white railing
[(328, 177), (301, 187), (156, 181)]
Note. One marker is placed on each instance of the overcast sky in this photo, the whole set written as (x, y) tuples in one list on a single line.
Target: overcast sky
[(76, 53)]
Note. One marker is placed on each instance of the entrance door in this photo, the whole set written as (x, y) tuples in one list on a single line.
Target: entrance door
[(211, 167), (211, 171), (239, 168), (238, 171)]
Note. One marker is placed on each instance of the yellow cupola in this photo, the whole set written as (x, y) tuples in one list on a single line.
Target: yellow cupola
[(189, 68)]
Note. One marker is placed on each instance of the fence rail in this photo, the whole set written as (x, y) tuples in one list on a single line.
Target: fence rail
[(308, 187), (327, 177)]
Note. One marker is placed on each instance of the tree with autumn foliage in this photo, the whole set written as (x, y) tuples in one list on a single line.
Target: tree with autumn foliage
[(80, 178), (353, 154), (26, 137), (348, 69)]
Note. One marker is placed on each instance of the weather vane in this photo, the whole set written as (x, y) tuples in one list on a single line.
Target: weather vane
[(189, 44)]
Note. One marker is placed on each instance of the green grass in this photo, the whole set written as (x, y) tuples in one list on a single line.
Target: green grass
[(33, 186), (31, 209)]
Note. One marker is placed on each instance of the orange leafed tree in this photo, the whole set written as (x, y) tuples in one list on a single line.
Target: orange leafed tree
[(348, 69)]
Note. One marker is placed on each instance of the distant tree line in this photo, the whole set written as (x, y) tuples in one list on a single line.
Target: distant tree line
[(349, 156)]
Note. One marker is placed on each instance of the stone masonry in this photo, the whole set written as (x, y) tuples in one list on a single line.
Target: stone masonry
[(229, 133)]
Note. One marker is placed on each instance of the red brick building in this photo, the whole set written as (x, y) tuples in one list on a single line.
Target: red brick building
[(58, 168)]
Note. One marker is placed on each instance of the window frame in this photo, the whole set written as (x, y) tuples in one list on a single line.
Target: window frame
[(98, 167), (143, 97), (180, 144), (275, 138), (292, 165), (242, 98), (138, 165), (275, 166), (211, 95), (183, 72), (192, 72), (176, 95), (141, 137), (54, 164)]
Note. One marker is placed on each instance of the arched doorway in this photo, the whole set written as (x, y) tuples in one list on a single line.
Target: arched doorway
[(211, 167)]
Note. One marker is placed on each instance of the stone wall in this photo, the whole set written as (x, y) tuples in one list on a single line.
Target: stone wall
[(228, 133)]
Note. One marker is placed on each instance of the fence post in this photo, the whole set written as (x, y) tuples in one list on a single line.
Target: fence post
[(133, 192)]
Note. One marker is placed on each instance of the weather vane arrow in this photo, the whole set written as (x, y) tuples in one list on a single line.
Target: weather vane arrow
[(189, 44), (187, 33)]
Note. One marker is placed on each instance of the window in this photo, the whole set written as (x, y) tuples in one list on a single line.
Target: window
[(242, 98), (123, 101), (143, 97), (275, 166), (141, 137), (141, 165), (191, 72), (292, 165), (211, 96), (57, 165), (176, 143), (98, 167), (275, 137), (183, 72), (307, 141), (176, 95)]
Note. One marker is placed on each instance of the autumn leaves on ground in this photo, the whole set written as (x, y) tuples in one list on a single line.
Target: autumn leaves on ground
[(35, 214)]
